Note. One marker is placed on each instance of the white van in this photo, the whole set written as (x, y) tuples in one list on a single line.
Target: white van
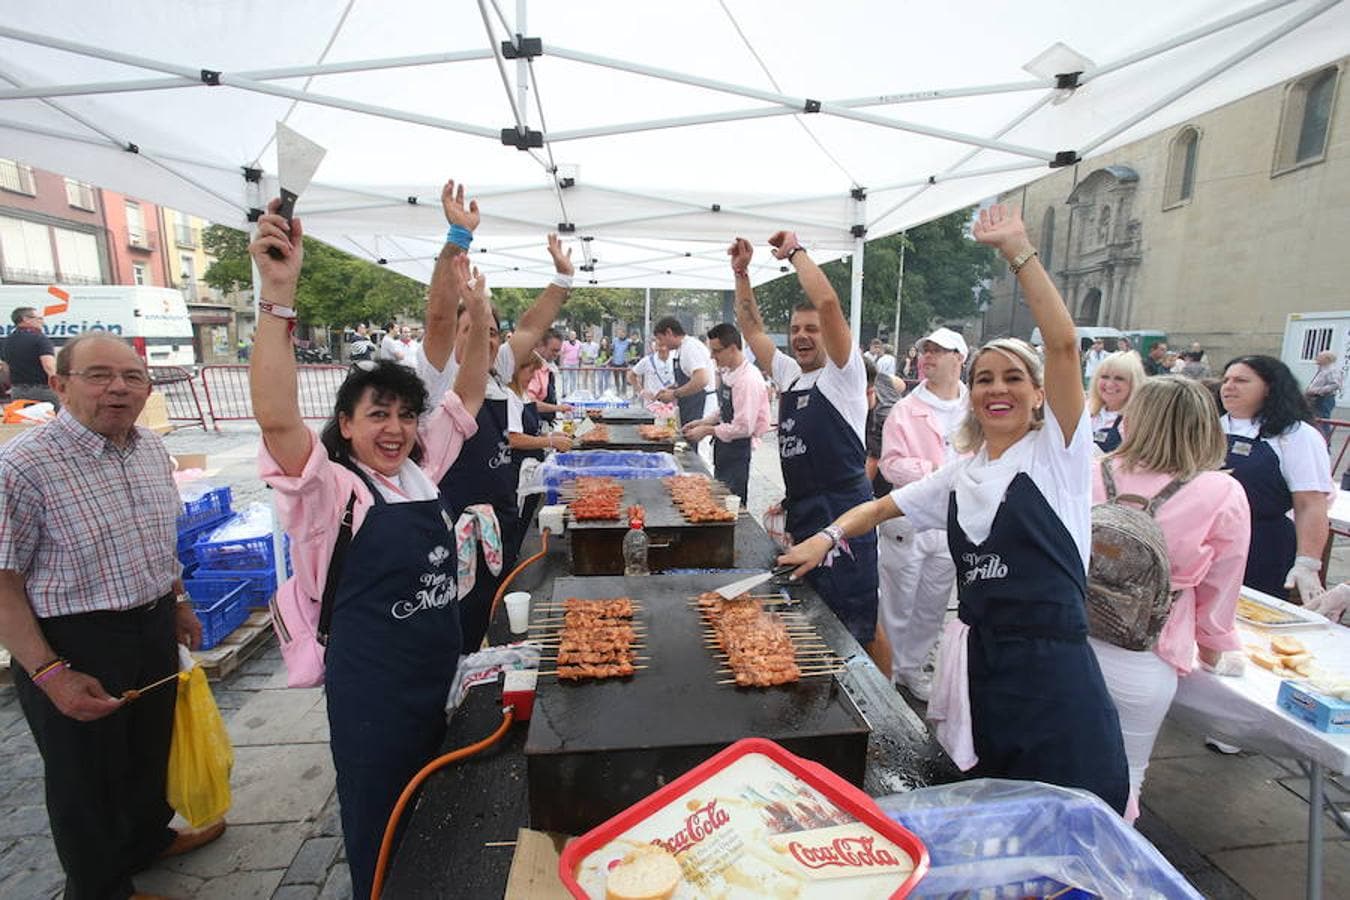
[(1308, 334), (153, 320), (1110, 337)]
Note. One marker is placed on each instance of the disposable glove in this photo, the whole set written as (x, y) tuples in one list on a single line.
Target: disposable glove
[(1332, 603), (1230, 664), (1303, 576)]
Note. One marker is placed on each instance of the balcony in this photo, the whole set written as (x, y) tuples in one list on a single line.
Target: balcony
[(186, 236), (141, 238), (12, 275)]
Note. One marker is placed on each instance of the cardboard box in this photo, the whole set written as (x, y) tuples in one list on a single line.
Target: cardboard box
[(1329, 714), (184, 461)]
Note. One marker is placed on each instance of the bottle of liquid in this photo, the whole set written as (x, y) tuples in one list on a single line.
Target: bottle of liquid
[(635, 549)]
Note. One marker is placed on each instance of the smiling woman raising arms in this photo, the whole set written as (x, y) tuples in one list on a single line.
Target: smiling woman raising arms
[(1019, 693)]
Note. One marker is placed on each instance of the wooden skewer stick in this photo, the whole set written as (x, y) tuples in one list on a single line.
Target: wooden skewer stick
[(134, 693), (635, 668), (609, 662)]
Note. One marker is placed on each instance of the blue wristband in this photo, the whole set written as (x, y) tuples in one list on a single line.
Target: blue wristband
[(459, 236)]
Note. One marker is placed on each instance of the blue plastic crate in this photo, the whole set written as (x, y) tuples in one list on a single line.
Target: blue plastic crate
[(220, 616), (188, 537), (995, 838), (259, 584), (213, 506), (253, 553), (620, 464)]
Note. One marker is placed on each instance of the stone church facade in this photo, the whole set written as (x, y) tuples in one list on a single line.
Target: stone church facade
[(1213, 230)]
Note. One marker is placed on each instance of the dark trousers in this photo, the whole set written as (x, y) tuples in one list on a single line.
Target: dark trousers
[(105, 779)]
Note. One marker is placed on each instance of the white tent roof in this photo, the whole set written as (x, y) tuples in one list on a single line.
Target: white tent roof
[(680, 124)]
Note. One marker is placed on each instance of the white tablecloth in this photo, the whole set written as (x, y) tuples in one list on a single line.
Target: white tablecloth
[(1340, 511), (1243, 711)]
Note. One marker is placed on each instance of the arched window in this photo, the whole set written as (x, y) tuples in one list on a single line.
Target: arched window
[(1181, 161), (1047, 248), (1306, 120), (1090, 308)]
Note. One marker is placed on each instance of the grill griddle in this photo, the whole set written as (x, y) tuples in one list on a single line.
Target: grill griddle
[(597, 546), (625, 437), (628, 415), (596, 747)]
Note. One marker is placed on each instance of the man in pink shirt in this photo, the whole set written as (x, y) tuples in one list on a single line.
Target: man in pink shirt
[(916, 572), (743, 411)]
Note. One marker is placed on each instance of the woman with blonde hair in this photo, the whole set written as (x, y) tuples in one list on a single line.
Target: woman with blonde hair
[(1168, 464), (1018, 692), (1114, 380)]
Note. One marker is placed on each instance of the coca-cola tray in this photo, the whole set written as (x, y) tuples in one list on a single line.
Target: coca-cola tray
[(754, 820)]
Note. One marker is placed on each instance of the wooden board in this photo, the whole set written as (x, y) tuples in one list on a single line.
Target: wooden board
[(242, 644), (534, 867)]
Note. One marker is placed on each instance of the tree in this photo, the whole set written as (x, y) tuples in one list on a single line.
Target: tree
[(335, 288), (944, 267)]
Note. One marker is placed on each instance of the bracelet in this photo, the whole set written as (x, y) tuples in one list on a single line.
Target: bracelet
[(834, 533), (49, 670), (460, 236), (793, 251), (562, 280), (274, 309), (744, 273), (1022, 259)]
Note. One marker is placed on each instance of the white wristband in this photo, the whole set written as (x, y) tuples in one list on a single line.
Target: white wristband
[(562, 281), (273, 309)]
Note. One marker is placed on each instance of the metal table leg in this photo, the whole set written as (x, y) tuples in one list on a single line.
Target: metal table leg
[(1315, 790)]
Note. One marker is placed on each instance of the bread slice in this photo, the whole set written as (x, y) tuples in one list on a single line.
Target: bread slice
[(648, 873), (1286, 645), (1263, 658)]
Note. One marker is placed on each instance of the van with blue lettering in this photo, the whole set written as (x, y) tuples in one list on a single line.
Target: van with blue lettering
[(153, 320)]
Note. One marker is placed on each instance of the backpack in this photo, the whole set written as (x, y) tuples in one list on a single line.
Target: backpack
[(1129, 588)]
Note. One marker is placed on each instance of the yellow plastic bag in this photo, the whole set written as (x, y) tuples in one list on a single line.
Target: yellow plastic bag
[(201, 756)]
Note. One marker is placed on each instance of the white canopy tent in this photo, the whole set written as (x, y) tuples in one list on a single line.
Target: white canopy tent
[(652, 133)]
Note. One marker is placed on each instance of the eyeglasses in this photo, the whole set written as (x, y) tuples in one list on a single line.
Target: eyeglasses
[(132, 378)]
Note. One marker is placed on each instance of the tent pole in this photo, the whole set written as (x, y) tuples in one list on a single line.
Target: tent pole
[(522, 67), (899, 286), (855, 289), (1217, 69), (646, 318)]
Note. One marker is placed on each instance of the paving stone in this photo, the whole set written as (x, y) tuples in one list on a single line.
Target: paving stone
[(240, 886), (168, 883), (285, 783), (21, 765), (242, 848), (1175, 739), (24, 820), (18, 740), (30, 884), (31, 852), (23, 792), (280, 717), (338, 886), (296, 892), (312, 863), (329, 822), (1280, 870)]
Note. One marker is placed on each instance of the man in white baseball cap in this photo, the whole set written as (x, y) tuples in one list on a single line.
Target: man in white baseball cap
[(916, 572)]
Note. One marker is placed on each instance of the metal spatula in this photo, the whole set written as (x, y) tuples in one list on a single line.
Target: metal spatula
[(736, 588)]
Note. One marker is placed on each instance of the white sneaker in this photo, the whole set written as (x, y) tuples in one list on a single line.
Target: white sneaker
[(919, 684)]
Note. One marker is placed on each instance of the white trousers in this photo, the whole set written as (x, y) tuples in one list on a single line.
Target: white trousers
[(916, 575), (1142, 685)]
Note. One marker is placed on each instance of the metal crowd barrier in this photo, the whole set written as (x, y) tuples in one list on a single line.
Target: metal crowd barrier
[(595, 379), (228, 399), (178, 387)]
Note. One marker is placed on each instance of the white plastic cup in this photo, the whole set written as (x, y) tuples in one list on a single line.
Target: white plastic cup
[(518, 611), (733, 504)]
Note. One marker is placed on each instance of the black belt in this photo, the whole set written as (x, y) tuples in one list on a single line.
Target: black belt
[(147, 608)]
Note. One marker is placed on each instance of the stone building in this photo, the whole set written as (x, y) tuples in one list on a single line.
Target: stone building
[(1213, 230)]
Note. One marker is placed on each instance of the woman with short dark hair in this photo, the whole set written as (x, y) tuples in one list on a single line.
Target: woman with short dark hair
[(1281, 461), (394, 638)]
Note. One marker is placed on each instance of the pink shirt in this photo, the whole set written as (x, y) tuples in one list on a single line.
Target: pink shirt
[(1207, 525), (537, 388), (571, 353), (310, 505), (750, 399), (912, 442)]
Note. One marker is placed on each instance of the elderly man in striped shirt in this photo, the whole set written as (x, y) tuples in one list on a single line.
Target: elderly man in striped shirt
[(89, 587)]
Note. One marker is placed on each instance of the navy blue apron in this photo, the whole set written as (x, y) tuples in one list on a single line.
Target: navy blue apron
[(731, 459), (1274, 541), (1108, 438), (484, 473), (392, 651), (1039, 706), (550, 396), (691, 407), (824, 474), (530, 419)]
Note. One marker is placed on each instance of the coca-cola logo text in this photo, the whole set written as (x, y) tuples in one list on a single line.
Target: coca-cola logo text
[(700, 823), (857, 852)]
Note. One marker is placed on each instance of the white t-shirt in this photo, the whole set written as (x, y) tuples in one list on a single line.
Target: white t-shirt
[(656, 373), (1105, 419), (694, 355), (391, 348), (845, 388), (1062, 474), (440, 381), (1302, 452), (885, 364), (515, 412), (589, 351)]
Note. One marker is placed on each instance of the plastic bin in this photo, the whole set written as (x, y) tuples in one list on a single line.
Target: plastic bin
[(620, 464), (220, 616), (253, 553), (997, 838), (188, 537), (211, 507)]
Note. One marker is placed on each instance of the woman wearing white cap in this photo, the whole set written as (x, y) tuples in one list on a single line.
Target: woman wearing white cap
[(916, 568)]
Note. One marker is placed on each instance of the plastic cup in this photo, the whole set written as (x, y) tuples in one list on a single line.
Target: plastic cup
[(733, 504), (518, 611)]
